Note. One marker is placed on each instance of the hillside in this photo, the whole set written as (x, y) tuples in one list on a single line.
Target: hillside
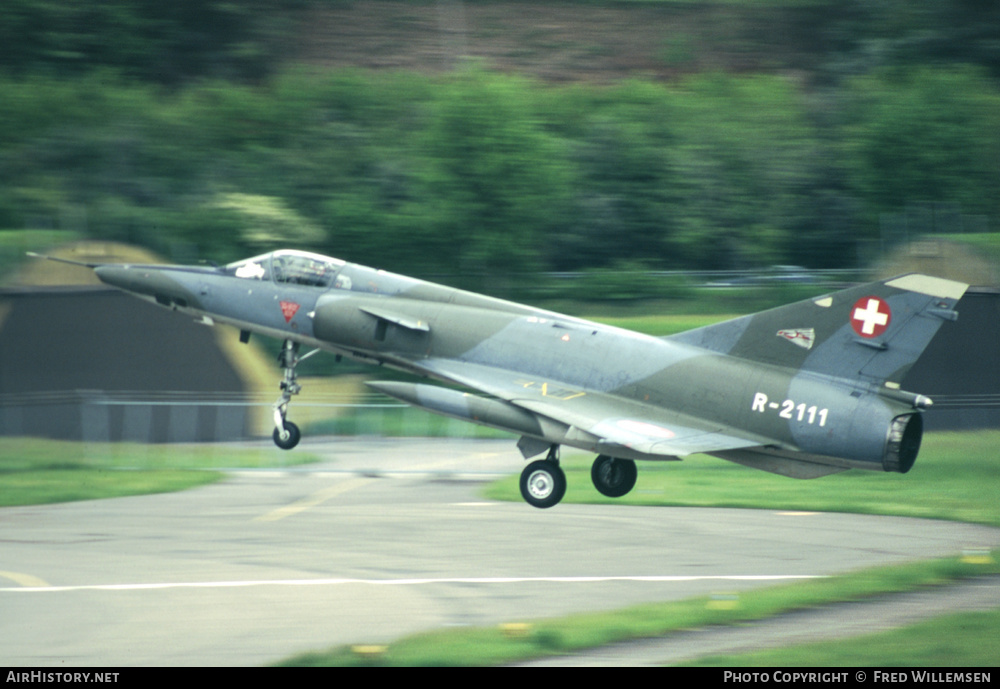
[(562, 41), (486, 139)]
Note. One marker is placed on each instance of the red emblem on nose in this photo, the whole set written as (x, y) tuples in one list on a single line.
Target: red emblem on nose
[(288, 310), (870, 316)]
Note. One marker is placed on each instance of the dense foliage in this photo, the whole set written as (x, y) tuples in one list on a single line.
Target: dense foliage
[(165, 42), (470, 172)]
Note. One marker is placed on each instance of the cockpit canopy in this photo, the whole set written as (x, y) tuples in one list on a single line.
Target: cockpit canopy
[(289, 266)]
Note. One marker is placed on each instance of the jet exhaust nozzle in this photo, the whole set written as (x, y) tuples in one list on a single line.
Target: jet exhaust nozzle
[(905, 434)]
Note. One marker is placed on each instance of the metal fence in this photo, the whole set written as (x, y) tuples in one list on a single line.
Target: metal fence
[(182, 417)]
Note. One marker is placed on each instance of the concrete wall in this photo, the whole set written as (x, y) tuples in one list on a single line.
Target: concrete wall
[(960, 370), (98, 364)]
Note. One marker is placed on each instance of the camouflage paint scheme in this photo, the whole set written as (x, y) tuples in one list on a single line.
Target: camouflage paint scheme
[(802, 390)]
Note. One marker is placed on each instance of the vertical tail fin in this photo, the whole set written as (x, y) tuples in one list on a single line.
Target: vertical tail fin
[(874, 332)]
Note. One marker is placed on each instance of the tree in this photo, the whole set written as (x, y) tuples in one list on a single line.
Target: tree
[(746, 165), (494, 181), (925, 134), (166, 42)]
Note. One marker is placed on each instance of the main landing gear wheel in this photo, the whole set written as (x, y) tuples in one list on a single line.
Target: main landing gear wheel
[(543, 483), (613, 477)]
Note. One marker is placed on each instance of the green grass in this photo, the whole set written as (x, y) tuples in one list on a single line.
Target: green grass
[(961, 640), (34, 471), (662, 325), (955, 478), (698, 306), (15, 243), (394, 420), (985, 244), (76, 483), (560, 636)]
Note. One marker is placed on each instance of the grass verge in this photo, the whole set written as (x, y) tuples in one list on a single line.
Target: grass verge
[(34, 471), (961, 640), (955, 478), (560, 636)]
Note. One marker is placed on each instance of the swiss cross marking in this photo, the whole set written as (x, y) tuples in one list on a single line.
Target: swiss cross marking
[(288, 310), (870, 316)]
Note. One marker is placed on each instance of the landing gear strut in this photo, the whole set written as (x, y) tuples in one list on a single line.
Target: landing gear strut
[(543, 483), (286, 434)]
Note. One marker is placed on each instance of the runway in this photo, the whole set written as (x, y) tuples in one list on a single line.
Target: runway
[(383, 539)]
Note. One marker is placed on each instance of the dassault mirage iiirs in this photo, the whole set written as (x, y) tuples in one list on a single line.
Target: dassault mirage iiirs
[(803, 390)]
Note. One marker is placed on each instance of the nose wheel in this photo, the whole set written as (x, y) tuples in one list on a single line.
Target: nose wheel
[(288, 437), (286, 434)]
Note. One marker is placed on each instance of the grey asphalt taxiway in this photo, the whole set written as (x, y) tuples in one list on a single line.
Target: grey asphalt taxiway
[(383, 539)]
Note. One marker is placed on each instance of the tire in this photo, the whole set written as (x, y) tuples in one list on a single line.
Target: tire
[(293, 436), (543, 484), (613, 477)]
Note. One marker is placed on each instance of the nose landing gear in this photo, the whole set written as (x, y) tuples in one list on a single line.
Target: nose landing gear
[(286, 434)]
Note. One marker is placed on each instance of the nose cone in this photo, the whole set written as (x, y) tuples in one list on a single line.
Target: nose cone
[(147, 281), (122, 277)]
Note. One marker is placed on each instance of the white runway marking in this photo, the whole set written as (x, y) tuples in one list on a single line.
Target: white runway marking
[(406, 582)]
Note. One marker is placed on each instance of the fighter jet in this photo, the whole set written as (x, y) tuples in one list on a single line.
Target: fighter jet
[(803, 390)]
